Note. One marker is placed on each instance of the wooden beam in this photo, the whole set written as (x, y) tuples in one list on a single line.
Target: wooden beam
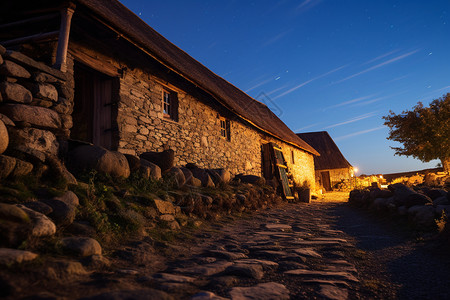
[(31, 38), (28, 21), (63, 39)]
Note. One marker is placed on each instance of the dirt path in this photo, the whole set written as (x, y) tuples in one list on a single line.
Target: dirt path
[(321, 250)]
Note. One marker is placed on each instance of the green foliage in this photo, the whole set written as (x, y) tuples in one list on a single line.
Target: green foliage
[(423, 131)]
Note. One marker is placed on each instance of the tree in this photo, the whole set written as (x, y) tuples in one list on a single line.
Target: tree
[(423, 131)]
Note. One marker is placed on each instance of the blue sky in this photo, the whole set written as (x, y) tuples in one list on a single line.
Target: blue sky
[(320, 65)]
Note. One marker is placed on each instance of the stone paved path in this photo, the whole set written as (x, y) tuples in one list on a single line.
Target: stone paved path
[(291, 252)]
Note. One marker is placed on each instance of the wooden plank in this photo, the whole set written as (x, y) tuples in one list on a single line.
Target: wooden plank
[(31, 38), (28, 21), (96, 64)]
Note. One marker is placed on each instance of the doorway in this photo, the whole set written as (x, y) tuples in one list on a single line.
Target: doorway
[(93, 107), (325, 177)]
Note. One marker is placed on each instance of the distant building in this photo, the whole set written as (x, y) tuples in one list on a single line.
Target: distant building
[(331, 167)]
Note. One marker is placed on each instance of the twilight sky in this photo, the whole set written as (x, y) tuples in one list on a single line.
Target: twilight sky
[(321, 65)]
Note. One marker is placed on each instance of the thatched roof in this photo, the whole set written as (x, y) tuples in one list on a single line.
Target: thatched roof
[(134, 29), (330, 155)]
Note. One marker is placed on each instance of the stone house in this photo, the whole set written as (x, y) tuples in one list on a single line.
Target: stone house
[(331, 167), (119, 84)]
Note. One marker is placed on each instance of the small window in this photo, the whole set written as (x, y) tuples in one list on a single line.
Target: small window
[(170, 104), (292, 157), (225, 130)]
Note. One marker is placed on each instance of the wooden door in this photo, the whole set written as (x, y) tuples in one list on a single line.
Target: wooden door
[(92, 114), (325, 176)]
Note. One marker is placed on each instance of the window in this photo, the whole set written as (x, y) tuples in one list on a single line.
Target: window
[(292, 157), (225, 130), (170, 104)]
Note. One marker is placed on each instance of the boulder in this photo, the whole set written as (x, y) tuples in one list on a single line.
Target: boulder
[(430, 179), (417, 199), (177, 174), (7, 165), (164, 207), (14, 256), (134, 294), (89, 157), (11, 91), (63, 214), (187, 175), (4, 137), (134, 163), (11, 69), (40, 117), (224, 174), (35, 142), (422, 215), (379, 193), (69, 198), (38, 206), (401, 193), (63, 106), (443, 208), (151, 170), (203, 176), (165, 160), (268, 291), (215, 177), (82, 246), (59, 169), (15, 225), (435, 193), (41, 225), (252, 179), (383, 203), (21, 168), (443, 200)]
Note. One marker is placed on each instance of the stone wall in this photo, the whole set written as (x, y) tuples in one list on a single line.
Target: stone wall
[(35, 105), (196, 136)]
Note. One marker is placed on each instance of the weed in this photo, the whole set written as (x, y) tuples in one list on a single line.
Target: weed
[(441, 222)]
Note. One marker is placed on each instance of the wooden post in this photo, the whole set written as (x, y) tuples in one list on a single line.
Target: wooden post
[(63, 40)]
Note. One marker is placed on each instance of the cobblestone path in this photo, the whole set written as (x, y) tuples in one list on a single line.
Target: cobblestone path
[(291, 252), (322, 250)]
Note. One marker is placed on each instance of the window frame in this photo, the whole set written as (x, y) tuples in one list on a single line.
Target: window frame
[(225, 128), (170, 107)]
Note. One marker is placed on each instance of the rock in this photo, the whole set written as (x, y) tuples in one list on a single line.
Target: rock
[(323, 274), (266, 264), (6, 288), (63, 106), (166, 277), (422, 215), (307, 252), (39, 117), (9, 68), (38, 206), (15, 225), (15, 92), (81, 228), (178, 175), (435, 193), (133, 162), (443, 208), (21, 168), (30, 140), (41, 225), (417, 199), (379, 193), (207, 296), (69, 198), (164, 207), (246, 270), (252, 179), (2, 50), (59, 169), (165, 160), (13, 256), (187, 175), (151, 170), (63, 214), (135, 294), (4, 137), (70, 268), (196, 182), (441, 201), (202, 175), (228, 255), (224, 174), (89, 157), (430, 179), (266, 291), (45, 91), (7, 165), (208, 181), (381, 204), (7, 121), (44, 77), (97, 261), (82, 246), (207, 269), (328, 291), (401, 193)]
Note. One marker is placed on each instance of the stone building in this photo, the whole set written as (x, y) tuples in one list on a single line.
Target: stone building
[(331, 167), (121, 85)]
